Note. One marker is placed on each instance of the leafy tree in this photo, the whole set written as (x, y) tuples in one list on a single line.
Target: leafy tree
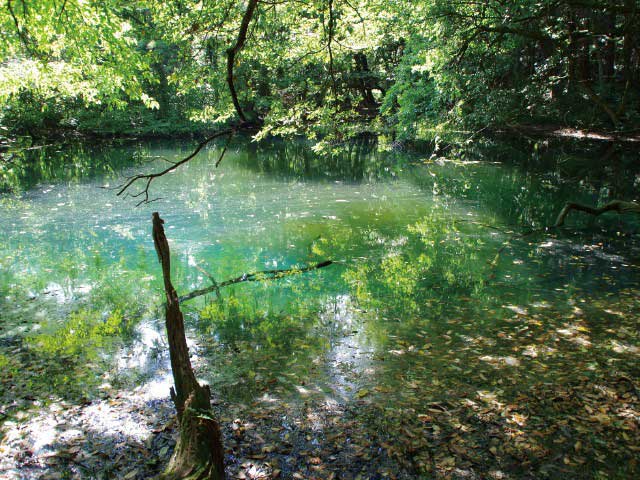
[(328, 69)]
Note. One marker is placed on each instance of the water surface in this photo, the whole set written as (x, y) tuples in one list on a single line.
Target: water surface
[(446, 287)]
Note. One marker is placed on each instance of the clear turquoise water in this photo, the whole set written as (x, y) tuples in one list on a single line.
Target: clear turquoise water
[(438, 279)]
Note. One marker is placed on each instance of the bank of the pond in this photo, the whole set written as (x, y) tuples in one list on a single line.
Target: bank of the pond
[(438, 138)]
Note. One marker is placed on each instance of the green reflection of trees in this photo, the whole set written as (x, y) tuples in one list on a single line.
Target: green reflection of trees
[(65, 318), (433, 257), (264, 337), (359, 160), (25, 166), (536, 177), (530, 355)]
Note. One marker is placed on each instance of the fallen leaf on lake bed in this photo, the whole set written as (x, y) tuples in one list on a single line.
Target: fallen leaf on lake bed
[(362, 393)]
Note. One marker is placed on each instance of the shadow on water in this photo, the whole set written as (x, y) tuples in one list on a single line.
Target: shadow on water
[(355, 162)]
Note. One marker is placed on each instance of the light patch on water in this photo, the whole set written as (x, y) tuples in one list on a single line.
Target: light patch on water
[(57, 292), (303, 390), (83, 289), (269, 398), (42, 433), (102, 417), (400, 241), (575, 333), (541, 304), (157, 389), (517, 309), (620, 347), (349, 356), (146, 350), (490, 397)]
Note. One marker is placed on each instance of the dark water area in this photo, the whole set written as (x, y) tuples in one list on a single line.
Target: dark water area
[(448, 295)]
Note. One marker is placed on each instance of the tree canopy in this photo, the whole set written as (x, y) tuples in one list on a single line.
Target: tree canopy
[(328, 69)]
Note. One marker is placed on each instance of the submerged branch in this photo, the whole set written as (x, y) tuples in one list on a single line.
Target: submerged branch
[(214, 283), (254, 277), (615, 205)]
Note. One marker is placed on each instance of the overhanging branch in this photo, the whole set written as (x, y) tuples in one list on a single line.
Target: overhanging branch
[(150, 177), (234, 50)]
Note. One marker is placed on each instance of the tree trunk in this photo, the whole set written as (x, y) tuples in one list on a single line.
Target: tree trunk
[(365, 77), (199, 453), (233, 51)]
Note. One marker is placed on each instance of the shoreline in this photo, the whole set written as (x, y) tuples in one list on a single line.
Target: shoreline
[(56, 138)]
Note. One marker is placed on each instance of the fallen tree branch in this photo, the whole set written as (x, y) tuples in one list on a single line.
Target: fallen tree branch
[(615, 205), (213, 281), (253, 277), (224, 150), (149, 177)]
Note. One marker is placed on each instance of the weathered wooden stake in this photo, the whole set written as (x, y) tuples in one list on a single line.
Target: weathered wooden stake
[(199, 453)]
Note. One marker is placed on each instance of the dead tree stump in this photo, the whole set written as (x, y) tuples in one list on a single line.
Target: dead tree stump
[(199, 453)]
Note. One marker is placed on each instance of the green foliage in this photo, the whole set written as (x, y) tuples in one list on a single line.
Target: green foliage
[(326, 70), (4, 361), (256, 344), (432, 256), (84, 333)]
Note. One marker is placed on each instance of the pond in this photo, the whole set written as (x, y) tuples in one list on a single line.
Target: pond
[(453, 333)]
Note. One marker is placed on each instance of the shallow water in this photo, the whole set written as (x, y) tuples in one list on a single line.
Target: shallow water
[(445, 278)]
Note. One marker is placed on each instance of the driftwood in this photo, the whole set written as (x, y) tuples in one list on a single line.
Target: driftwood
[(615, 206), (251, 277), (199, 453)]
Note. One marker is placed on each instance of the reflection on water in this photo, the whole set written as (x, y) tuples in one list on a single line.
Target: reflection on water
[(431, 269)]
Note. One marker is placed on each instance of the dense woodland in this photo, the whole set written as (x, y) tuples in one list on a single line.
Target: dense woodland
[(329, 70), (319, 239)]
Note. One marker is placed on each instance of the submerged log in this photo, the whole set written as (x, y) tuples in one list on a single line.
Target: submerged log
[(615, 205), (251, 277), (199, 453)]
